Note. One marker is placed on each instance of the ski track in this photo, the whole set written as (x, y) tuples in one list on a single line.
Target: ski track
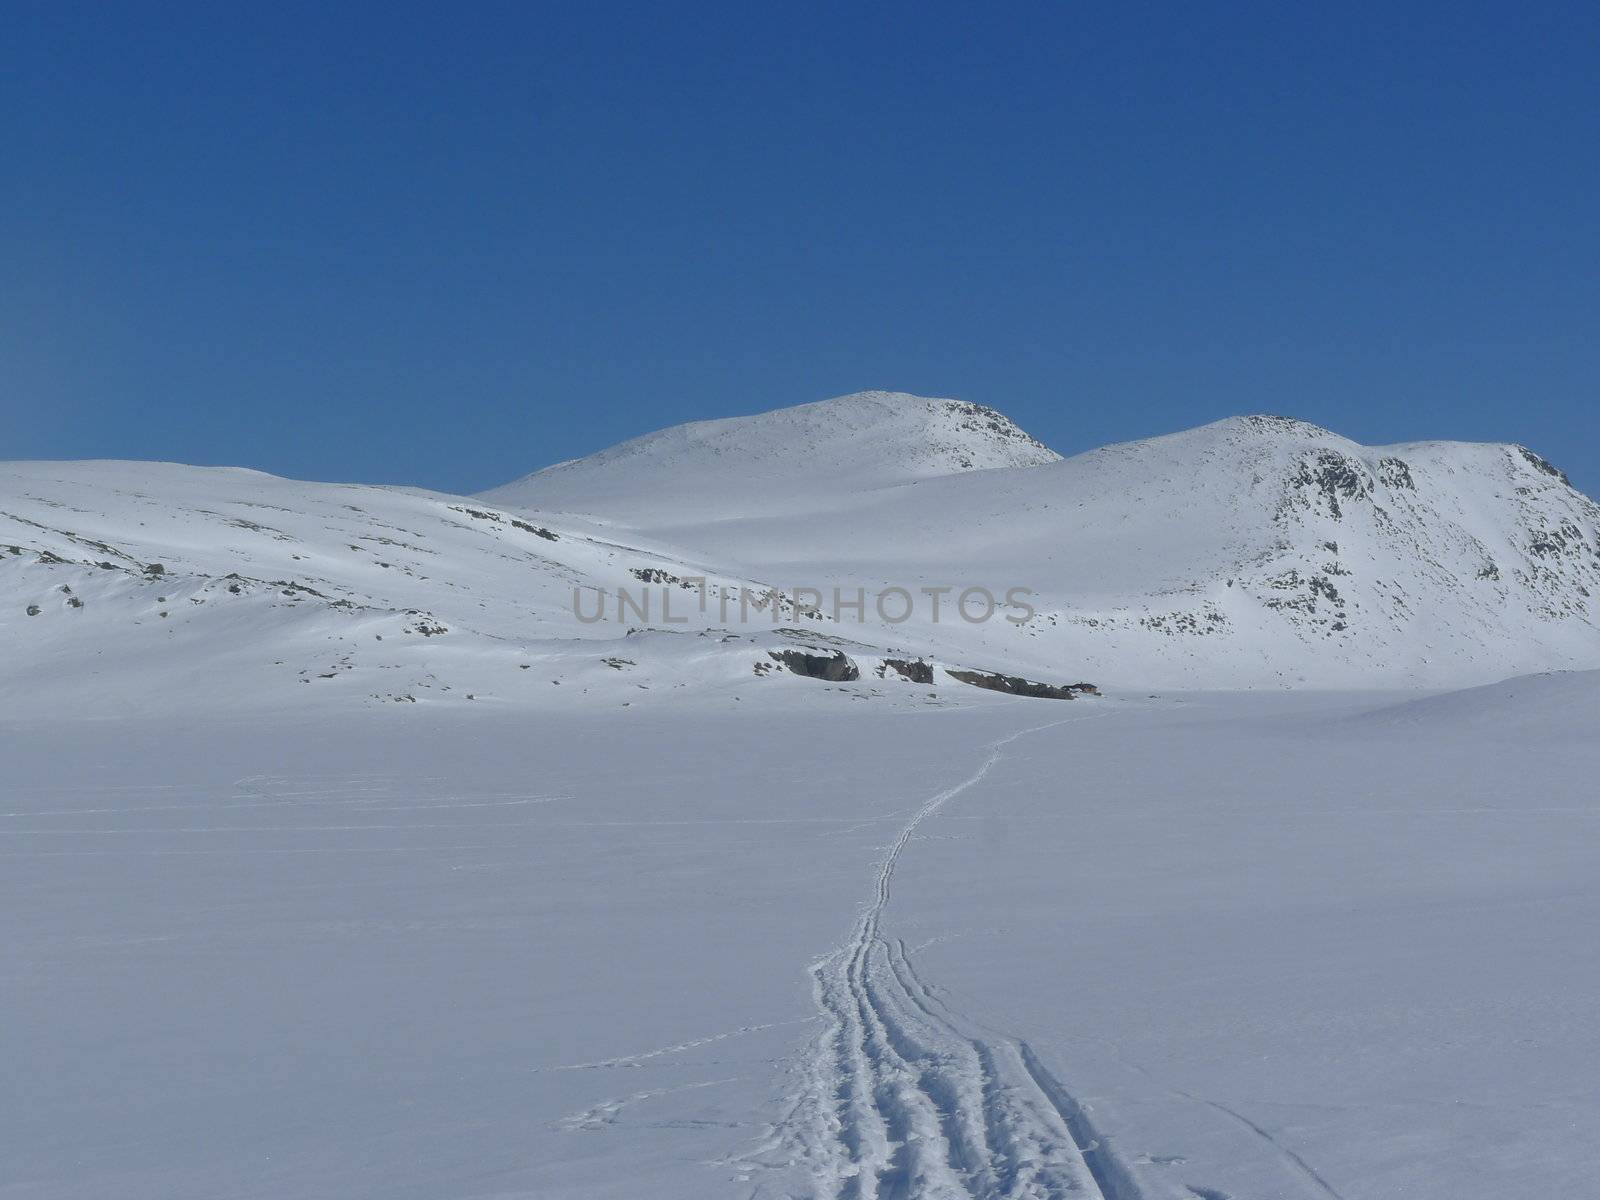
[(606, 1112), (903, 1100), (1300, 1164), (635, 1060)]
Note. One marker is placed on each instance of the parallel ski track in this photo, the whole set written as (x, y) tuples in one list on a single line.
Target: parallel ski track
[(903, 1100)]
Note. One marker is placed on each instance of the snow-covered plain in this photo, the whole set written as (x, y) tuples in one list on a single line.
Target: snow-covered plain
[(1318, 945), (341, 860)]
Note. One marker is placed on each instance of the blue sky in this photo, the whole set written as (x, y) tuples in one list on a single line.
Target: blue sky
[(445, 245)]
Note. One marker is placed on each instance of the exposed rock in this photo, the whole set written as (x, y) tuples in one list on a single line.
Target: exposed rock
[(916, 670), (1015, 685), (1541, 464), (1396, 473), (290, 587), (536, 530), (1334, 476), (836, 667)]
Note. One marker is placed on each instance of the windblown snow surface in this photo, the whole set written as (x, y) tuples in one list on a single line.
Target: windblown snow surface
[(342, 859)]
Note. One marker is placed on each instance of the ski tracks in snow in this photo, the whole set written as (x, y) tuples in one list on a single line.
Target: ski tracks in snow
[(903, 1100)]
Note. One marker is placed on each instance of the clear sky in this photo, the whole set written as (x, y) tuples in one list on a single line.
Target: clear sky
[(447, 244)]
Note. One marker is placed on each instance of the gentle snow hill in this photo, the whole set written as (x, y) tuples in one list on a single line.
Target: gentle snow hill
[(1557, 705), (801, 459), (145, 587), (1253, 551)]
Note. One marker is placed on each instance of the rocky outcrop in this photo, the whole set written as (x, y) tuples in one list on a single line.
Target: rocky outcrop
[(836, 667), (1015, 685), (915, 670)]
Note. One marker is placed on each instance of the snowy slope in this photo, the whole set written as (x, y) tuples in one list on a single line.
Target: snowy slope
[(1254, 551), (141, 587), (813, 456)]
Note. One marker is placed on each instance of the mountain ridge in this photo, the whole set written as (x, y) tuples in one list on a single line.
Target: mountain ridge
[(1256, 551)]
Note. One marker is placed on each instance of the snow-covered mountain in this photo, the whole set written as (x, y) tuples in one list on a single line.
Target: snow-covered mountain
[(1253, 551), (1257, 551), (793, 460)]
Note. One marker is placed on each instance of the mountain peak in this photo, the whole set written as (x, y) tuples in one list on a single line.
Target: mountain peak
[(803, 458), (1276, 428)]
